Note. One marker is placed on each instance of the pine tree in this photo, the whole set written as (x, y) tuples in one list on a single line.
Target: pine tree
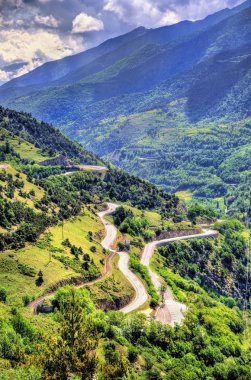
[(73, 351)]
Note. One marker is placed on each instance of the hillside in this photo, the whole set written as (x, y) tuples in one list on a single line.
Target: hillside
[(177, 95), (51, 235)]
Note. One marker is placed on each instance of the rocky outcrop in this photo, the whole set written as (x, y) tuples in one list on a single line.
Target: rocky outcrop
[(57, 161), (113, 304)]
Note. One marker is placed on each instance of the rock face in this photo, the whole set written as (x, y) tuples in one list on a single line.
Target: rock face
[(116, 303), (57, 161)]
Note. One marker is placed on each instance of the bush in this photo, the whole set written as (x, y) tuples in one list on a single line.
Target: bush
[(3, 294), (26, 300)]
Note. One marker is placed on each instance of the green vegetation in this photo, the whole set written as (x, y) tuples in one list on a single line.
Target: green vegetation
[(197, 211), (132, 225), (114, 346), (50, 236), (50, 233), (24, 128), (114, 292), (218, 265), (176, 111), (143, 273)]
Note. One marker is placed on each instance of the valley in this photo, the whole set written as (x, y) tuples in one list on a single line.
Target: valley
[(125, 192), (57, 243), (170, 105)]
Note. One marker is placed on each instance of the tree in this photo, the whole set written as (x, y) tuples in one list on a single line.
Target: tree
[(40, 278), (3, 294), (72, 352)]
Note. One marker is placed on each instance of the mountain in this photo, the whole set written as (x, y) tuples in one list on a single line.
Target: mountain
[(51, 257), (53, 71), (153, 96)]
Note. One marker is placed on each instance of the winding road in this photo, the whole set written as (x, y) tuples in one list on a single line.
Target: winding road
[(171, 311), (141, 295)]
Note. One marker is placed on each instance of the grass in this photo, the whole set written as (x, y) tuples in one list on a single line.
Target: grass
[(18, 284), (39, 257), (185, 195), (25, 149), (76, 230), (114, 288), (28, 186)]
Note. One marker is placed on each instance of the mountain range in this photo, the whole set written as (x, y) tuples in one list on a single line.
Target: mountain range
[(170, 104)]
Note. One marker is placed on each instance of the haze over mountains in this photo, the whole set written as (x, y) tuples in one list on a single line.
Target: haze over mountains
[(153, 95)]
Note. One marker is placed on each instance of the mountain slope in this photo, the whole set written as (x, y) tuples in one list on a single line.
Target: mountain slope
[(50, 236), (141, 70), (138, 101), (56, 71)]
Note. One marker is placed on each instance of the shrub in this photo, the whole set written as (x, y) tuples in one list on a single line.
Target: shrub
[(3, 294)]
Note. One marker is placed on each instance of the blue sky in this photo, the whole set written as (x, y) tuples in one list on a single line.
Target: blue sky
[(36, 31)]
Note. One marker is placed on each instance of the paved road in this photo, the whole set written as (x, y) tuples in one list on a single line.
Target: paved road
[(171, 311), (90, 168), (93, 167), (141, 295), (149, 248), (4, 166), (111, 230)]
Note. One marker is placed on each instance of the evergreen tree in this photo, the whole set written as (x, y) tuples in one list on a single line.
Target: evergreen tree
[(72, 353)]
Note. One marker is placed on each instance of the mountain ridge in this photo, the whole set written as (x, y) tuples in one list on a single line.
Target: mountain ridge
[(108, 45), (135, 96)]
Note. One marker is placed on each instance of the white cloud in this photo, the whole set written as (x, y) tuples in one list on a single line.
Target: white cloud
[(3, 76), (155, 13), (85, 23), (47, 21), (35, 47), (141, 12)]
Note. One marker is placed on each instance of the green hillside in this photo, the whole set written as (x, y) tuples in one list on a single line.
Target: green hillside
[(125, 244), (50, 236), (171, 105)]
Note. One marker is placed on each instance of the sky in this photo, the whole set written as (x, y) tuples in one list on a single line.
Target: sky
[(33, 32)]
